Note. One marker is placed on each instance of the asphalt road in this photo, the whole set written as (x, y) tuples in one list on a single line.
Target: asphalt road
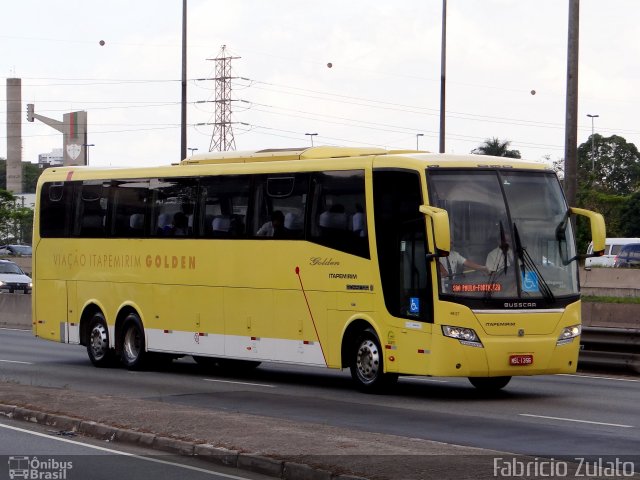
[(561, 415), (40, 453)]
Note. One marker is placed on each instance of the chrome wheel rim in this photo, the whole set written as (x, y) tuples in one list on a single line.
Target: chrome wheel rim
[(131, 345), (368, 361), (99, 341)]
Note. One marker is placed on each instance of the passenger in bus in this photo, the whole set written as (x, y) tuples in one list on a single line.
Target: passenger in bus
[(274, 227), (456, 263), (496, 257), (180, 226), (359, 222), (335, 218)]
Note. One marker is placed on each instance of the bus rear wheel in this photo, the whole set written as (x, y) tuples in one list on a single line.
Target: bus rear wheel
[(367, 364), (489, 384), (98, 342), (133, 352)]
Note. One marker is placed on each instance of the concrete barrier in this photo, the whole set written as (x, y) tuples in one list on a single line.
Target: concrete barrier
[(15, 310), (610, 282)]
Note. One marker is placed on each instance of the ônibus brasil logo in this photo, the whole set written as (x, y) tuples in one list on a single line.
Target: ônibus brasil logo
[(32, 468)]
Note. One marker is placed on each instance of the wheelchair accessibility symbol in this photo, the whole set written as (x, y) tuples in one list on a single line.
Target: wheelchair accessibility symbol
[(530, 282), (414, 305)]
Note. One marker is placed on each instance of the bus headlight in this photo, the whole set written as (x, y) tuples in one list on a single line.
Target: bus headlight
[(568, 334), (466, 336)]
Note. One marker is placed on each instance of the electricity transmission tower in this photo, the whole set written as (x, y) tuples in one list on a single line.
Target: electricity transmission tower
[(222, 136)]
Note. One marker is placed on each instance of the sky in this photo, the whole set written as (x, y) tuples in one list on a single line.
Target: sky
[(506, 72)]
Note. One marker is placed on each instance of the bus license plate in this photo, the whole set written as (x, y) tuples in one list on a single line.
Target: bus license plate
[(519, 360)]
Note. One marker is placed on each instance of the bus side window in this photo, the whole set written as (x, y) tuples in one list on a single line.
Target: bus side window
[(281, 199), (338, 211), (92, 200), (223, 206), (56, 209), (172, 206), (129, 207)]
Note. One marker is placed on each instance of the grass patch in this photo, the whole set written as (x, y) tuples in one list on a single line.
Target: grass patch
[(602, 299)]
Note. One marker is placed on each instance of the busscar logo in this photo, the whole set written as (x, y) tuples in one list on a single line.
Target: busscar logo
[(520, 304)]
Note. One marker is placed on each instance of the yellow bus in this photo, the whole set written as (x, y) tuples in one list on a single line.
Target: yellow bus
[(384, 262)]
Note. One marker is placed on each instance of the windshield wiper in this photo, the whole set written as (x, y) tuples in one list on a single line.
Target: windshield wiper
[(527, 263), (504, 248)]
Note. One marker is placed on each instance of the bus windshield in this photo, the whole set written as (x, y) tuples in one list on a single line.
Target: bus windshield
[(511, 237)]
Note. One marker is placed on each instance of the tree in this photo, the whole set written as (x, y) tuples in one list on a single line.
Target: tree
[(493, 146), (609, 165), (30, 174), (608, 175), (16, 222), (630, 216)]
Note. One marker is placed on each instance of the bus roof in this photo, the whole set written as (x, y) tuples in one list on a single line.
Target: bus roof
[(314, 157), (325, 152)]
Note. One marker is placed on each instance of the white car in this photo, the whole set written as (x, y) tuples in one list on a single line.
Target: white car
[(13, 279), (612, 248)]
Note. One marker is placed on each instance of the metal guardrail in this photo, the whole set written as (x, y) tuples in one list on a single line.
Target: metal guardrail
[(606, 347)]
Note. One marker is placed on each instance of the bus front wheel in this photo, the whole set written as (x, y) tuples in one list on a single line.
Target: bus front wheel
[(133, 348), (489, 384), (98, 342), (367, 363)]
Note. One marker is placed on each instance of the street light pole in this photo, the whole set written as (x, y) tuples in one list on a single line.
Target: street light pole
[(593, 147), (311, 135), (418, 135), (86, 146)]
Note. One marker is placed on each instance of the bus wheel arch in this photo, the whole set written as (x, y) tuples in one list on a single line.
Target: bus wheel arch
[(130, 339), (363, 353), (94, 334)]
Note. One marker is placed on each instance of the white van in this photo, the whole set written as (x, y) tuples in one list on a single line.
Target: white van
[(612, 247)]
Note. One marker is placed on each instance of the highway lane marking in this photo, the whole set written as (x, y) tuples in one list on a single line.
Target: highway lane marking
[(239, 383), (575, 420), (16, 361), (125, 454), (16, 329), (598, 377)]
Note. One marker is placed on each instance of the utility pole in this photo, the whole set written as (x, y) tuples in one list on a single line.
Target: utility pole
[(222, 137), (443, 70), (571, 122), (183, 109)]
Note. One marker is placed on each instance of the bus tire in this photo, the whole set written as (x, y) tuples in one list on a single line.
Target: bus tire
[(489, 384), (98, 342), (133, 352), (367, 364)]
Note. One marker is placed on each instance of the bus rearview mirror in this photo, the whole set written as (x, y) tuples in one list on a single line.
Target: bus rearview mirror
[(441, 233)]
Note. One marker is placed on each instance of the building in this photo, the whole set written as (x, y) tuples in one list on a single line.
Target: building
[(53, 159)]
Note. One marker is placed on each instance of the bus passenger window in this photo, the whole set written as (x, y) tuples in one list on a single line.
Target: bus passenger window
[(223, 206), (280, 202), (339, 211)]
